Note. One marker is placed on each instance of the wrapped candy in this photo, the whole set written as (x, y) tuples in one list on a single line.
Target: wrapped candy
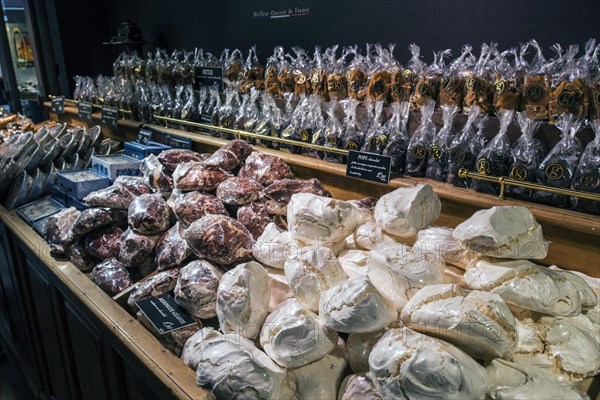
[(428, 83), (495, 157), (437, 163), (356, 74), (377, 134), (228, 110), (333, 131), (380, 78), (453, 81), (507, 88), (353, 135), (104, 243), (587, 175), (464, 148), (111, 276), (265, 168), (272, 70), (57, 230), (337, 84), (192, 206), (232, 68), (558, 167), (480, 91), (536, 88), (253, 73), (318, 75), (136, 249), (416, 156), (149, 215), (301, 71), (172, 250), (526, 156), (398, 138)]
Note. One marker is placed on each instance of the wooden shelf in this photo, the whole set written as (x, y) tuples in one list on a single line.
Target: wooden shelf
[(574, 236)]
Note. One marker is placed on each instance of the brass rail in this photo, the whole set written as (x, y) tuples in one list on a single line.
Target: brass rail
[(76, 103), (503, 181), (252, 135)]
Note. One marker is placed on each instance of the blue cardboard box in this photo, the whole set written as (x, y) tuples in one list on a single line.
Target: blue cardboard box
[(140, 151), (114, 165), (80, 183), (39, 209)]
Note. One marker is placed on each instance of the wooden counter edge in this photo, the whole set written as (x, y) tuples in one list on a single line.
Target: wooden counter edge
[(177, 376)]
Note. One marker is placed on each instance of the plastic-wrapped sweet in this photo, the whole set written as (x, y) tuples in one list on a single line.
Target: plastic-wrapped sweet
[(243, 299), (78, 256), (358, 386), (536, 88), (293, 336), (115, 196), (192, 206), (399, 139), (526, 155), (192, 350), (406, 211), (104, 243), (119, 217), (238, 191), (587, 175), (416, 156), (172, 249), (161, 283), (231, 155), (149, 214), (465, 147), (310, 271), (171, 158), (398, 273), (448, 312), (278, 194), (136, 249), (532, 287), (155, 175), (558, 168), (91, 219), (437, 162), (273, 246), (356, 306), (111, 276), (220, 239), (57, 230), (508, 380), (135, 184), (199, 176), (317, 219), (408, 365), (503, 232), (377, 134), (255, 217), (495, 157), (265, 168), (196, 289), (253, 375)]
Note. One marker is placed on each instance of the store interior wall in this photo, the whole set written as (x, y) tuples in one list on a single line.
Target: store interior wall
[(217, 24)]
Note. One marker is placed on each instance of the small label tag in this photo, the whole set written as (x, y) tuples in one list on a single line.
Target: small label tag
[(110, 116), (144, 136), (58, 105), (208, 76), (85, 110), (165, 314), (369, 166)]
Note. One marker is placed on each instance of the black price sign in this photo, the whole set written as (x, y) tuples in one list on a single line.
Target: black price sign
[(110, 116), (85, 110), (57, 105), (164, 313), (369, 166), (144, 136), (209, 76)]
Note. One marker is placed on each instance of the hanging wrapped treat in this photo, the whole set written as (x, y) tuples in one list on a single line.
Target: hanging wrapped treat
[(570, 87), (337, 84), (248, 113), (333, 132), (587, 174), (464, 148), (480, 90), (536, 88), (318, 75), (495, 157), (377, 134), (232, 68), (380, 80), (416, 156), (526, 156), (453, 81), (252, 74), (318, 121), (398, 137), (558, 167), (301, 71), (210, 111), (353, 135), (228, 112), (189, 112), (437, 163), (293, 131), (272, 85), (428, 81), (507, 90), (285, 76), (356, 74)]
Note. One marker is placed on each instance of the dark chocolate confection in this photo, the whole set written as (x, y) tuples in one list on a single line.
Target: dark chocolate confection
[(135, 248), (172, 250), (173, 157), (104, 243), (111, 276), (91, 219), (255, 217), (201, 176), (192, 206), (238, 191), (149, 214), (265, 168)]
